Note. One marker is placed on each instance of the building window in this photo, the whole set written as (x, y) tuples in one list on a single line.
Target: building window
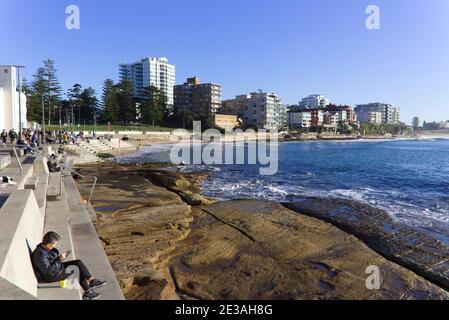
[(5, 70)]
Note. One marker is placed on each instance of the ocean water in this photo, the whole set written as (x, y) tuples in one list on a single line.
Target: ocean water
[(407, 178)]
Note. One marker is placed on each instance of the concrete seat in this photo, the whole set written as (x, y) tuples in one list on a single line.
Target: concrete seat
[(41, 173), (57, 220), (41, 191), (54, 186), (87, 244), (31, 183), (13, 170), (26, 215)]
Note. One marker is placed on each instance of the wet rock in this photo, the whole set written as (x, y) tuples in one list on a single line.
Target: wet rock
[(194, 199), (409, 247), (186, 185)]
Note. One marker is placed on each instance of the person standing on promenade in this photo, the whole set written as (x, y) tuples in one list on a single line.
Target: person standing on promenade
[(12, 136), (4, 136)]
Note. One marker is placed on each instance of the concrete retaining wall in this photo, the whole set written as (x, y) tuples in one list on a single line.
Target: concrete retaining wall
[(5, 160), (86, 242), (40, 166), (21, 230)]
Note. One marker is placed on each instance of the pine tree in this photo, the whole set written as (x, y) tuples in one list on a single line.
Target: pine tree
[(36, 94), (109, 101), (74, 95), (126, 102), (53, 87), (25, 87), (89, 104), (152, 107)]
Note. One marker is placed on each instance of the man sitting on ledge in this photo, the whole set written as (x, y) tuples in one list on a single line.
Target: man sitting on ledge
[(49, 267)]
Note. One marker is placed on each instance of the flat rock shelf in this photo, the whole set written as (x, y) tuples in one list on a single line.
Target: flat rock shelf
[(166, 241)]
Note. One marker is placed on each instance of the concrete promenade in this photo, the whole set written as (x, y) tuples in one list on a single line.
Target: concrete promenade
[(39, 202)]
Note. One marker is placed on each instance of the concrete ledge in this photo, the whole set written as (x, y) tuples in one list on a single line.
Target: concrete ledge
[(41, 192), (40, 165), (13, 170), (130, 133), (56, 219), (31, 183), (21, 230), (5, 160), (20, 152), (54, 186), (87, 244), (42, 174)]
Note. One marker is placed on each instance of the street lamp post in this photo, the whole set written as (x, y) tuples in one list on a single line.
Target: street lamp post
[(20, 97), (73, 121), (60, 120), (43, 121)]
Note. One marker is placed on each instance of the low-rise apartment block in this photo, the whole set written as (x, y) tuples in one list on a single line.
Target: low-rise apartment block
[(389, 113), (264, 110), (329, 116)]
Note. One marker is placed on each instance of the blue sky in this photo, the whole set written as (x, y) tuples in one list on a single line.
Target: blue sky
[(291, 47)]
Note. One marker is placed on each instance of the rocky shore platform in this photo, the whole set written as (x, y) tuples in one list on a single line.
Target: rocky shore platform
[(166, 241)]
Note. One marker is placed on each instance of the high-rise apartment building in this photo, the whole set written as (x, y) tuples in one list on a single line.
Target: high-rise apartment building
[(204, 99), (150, 71), (314, 101)]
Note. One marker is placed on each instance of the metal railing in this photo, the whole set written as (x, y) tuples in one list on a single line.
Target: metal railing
[(62, 165)]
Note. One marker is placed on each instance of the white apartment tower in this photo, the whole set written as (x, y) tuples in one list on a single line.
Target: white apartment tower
[(314, 101), (150, 71), (9, 100)]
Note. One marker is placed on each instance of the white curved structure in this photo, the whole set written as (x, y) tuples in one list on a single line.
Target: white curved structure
[(9, 100)]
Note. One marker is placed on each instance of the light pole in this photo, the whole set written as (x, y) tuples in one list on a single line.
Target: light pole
[(73, 122), (60, 120), (20, 97), (43, 121)]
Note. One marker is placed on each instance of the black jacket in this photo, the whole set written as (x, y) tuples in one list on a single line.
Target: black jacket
[(47, 265)]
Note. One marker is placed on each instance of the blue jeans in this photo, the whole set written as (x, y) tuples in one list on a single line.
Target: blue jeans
[(27, 150)]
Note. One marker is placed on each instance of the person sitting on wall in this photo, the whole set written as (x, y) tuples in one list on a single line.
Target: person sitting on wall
[(50, 267), (53, 166), (61, 149), (35, 140), (23, 143)]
